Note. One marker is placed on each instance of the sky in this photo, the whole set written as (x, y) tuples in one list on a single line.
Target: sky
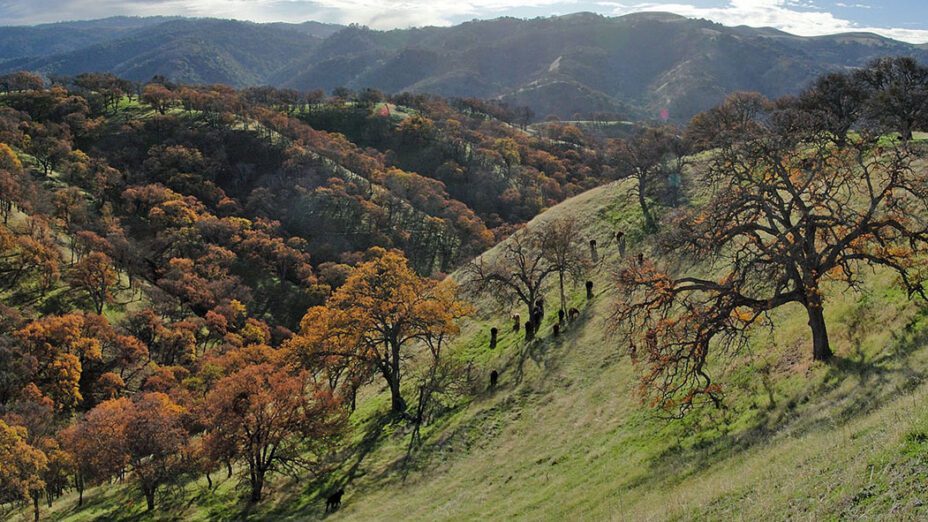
[(901, 19)]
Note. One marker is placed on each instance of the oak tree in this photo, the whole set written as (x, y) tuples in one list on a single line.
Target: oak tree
[(786, 213), (272, 418)]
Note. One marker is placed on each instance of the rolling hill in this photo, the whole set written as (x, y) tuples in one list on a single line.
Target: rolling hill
[(633, 65), (564, 436)]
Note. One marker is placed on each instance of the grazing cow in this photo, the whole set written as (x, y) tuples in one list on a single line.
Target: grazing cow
[(538, 317), (494, 378), (334, 500), (493, 332), (560, 317), (573, 313), (516, 322), (589, 289)]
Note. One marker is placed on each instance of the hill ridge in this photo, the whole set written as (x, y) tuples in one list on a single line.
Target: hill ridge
[(623, 57)]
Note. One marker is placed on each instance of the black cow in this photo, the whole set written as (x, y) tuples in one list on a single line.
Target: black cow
[(334, 500)]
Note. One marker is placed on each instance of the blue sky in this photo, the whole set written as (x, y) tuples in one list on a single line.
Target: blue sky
[(902, 19)]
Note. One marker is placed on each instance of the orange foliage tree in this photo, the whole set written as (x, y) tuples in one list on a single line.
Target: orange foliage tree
[(155, 437), (21, 467), (372, 320), (98, 444), (94, 276), (56, 349), (271, 418)]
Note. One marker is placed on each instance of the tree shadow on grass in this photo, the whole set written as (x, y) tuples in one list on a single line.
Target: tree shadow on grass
[(308, 501), (546, 350), (882, 378)]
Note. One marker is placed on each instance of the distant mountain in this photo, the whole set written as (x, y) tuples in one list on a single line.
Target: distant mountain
[(189, 51), (576, 64), (48, 39)]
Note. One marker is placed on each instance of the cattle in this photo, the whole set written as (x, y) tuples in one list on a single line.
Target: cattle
[(334, 500), (537, 317)]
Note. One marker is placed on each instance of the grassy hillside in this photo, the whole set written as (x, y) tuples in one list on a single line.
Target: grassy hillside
[(564, 436)]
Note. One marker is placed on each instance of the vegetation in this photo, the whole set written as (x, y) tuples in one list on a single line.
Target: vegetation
[(155, 260), (194, 277), (574, 67)]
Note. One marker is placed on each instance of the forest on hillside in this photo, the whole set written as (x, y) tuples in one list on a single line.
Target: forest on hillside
[(196, 280), (160, 239), (573, 66)]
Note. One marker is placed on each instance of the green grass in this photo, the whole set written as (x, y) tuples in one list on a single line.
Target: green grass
[(565, 436)]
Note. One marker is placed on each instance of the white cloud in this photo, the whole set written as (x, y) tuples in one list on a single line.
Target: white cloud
[(801, 17), (807, 20), (381, 14)]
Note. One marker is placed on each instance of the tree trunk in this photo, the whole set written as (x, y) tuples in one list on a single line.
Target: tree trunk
[(821, 350), (79, 484), (393, 379), (563, 297), (149, 498), (649, 225), (257, 485), (35, 506), (396, 399)]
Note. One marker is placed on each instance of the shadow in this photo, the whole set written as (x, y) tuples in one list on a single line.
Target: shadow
[(545, 350), (318, 487), (887, 375)]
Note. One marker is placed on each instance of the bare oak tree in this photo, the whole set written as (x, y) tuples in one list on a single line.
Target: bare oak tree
[(565, 250), (785, 214), (654, 158), (517, 274)]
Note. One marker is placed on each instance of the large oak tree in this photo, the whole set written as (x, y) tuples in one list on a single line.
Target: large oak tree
[(786, 212), (374, 319), (273, 419)]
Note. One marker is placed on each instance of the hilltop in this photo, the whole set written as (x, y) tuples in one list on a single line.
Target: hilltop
[(581, 64)]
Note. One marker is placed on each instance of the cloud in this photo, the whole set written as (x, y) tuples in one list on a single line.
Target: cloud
[(381, 14), (802, 18)]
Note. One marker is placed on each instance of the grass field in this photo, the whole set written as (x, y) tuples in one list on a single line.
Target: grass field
[(565, 437)]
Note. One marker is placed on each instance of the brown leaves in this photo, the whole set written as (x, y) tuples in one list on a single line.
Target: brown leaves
[(21, 465), (369, 322)]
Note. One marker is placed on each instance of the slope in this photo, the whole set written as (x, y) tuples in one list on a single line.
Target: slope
[(564, 436), (563, 65), (187, 51)]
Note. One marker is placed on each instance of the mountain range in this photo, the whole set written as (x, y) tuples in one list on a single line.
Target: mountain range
[(569, 66)]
